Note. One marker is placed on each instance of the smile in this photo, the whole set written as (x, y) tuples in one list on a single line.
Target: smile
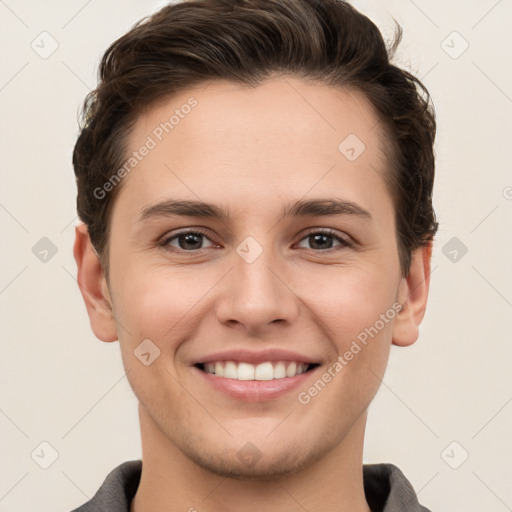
[(267, 370)]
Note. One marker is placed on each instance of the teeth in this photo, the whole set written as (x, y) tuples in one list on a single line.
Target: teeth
[(291, 370), (245, 371), (230, 370), (279, 370), (263, 371), (219, 369)]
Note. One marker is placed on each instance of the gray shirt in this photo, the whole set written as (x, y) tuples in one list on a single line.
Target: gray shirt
[(385, 487)]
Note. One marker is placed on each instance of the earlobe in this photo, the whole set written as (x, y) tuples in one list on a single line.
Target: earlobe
[(413, 296), (93, 286)]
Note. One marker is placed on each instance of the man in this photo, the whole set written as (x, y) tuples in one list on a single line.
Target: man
[(255, 184)]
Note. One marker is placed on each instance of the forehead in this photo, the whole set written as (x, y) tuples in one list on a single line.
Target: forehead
[(284, 103), (236, 141)]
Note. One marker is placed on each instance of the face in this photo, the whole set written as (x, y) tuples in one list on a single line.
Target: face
[(251, 305)]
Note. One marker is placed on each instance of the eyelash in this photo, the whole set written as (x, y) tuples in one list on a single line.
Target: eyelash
[(164, 243)]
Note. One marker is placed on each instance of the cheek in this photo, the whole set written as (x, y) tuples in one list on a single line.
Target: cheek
[(349, 300), (160, 306), (160, 303), (356, 311), (166, 304)]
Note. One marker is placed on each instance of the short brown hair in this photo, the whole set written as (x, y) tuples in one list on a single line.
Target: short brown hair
[(245, 42)]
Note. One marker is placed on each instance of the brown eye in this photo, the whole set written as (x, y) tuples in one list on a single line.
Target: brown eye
[(324, 240), (186, 241)]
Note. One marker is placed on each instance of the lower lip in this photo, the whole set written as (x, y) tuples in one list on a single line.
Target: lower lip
[(255, 390)]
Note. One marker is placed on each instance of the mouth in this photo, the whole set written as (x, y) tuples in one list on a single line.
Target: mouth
[(264, 371), (250, 376)]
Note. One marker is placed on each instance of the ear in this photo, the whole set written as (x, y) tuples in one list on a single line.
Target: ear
[(93, 286), (412, 295)]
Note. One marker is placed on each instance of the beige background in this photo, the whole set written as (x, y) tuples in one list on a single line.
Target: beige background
[(62, 386)]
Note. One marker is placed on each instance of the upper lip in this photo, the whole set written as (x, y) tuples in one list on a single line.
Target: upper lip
[(249, 356)]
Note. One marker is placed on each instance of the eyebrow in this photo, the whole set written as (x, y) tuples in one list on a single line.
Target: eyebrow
[(301, 208)]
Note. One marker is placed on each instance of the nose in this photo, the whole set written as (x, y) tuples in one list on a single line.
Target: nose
[(256, 294)]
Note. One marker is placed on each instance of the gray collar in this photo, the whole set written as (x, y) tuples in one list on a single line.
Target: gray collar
[(385, 486)]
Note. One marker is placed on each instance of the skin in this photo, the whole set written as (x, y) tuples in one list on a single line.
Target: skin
[(252, 151)]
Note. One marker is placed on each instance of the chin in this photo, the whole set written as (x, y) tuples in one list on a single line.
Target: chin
[(251, 463)]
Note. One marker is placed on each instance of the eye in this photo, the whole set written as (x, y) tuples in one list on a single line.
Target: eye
[(192, 240), (323, 240), (186, 241)]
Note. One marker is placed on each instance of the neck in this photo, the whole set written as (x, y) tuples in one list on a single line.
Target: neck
[(172, 482)]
